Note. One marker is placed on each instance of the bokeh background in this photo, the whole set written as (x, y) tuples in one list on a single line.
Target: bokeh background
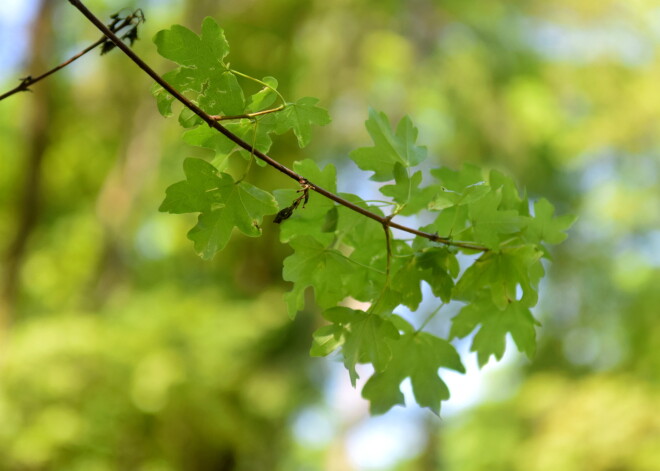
[(121, 350)]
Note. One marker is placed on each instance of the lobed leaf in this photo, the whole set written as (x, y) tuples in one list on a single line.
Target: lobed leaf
[(313, 264), (300, 116), (489, 222), (515, 319), (418, 356), (364, 338), (544, 227), (389, 148), (222, 203)]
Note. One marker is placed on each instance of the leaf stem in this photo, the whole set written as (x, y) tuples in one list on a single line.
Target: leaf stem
[(248, 115), (254, 144), (240, 142), (388, 263), (260, 82), (384, 203)]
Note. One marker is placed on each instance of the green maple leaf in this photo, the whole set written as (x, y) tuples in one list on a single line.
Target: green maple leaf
[(358, 231), (222, 203), (197, 192), (418, 356), (163, 99), (405, 286), (181, 45), (434, 265), (458, 181), (456, 191), (511, 198), (326, 340), (188, 118), (515, 319), (440, 267), (313, 264), (264, 97), (389, 148), (300, 116), (406, 191), (451, 222), (364, 338), (543, 227), (209, 138), (203, 67), (365, 240), (489, 222), (500, 274)]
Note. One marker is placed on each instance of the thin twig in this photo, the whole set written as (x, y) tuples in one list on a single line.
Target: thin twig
[(260, 82), (240, 142), (28, 81)]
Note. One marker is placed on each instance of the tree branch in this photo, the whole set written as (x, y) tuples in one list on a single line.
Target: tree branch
[(209, 120)]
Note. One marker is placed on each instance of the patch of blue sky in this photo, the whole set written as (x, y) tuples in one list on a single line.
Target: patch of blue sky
[(15, 17), (614, 39)]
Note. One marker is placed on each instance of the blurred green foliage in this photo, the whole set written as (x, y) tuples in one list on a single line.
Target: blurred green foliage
[(167, 381), (127, 352), (600, 423)]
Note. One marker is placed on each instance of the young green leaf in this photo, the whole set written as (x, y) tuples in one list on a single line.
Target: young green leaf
[(451, 222), (300, 116), (417, 356), (440, 267), (501, 274), (203, 67), (209, 138), (543, 227), (458, 180), (222, 202), (264, 97), (406, 191), (181, 45), (511, 198), (365, 240), (364, 338), (313, 264), (326, 340), (515, 319), (389, 148), (489, 222)]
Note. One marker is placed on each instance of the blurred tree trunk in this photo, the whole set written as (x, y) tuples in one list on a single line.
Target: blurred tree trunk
[(430, 459), (36, 135), (137, 159)]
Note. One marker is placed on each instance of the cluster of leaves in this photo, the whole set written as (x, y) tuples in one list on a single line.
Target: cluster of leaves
[(486, 225)]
